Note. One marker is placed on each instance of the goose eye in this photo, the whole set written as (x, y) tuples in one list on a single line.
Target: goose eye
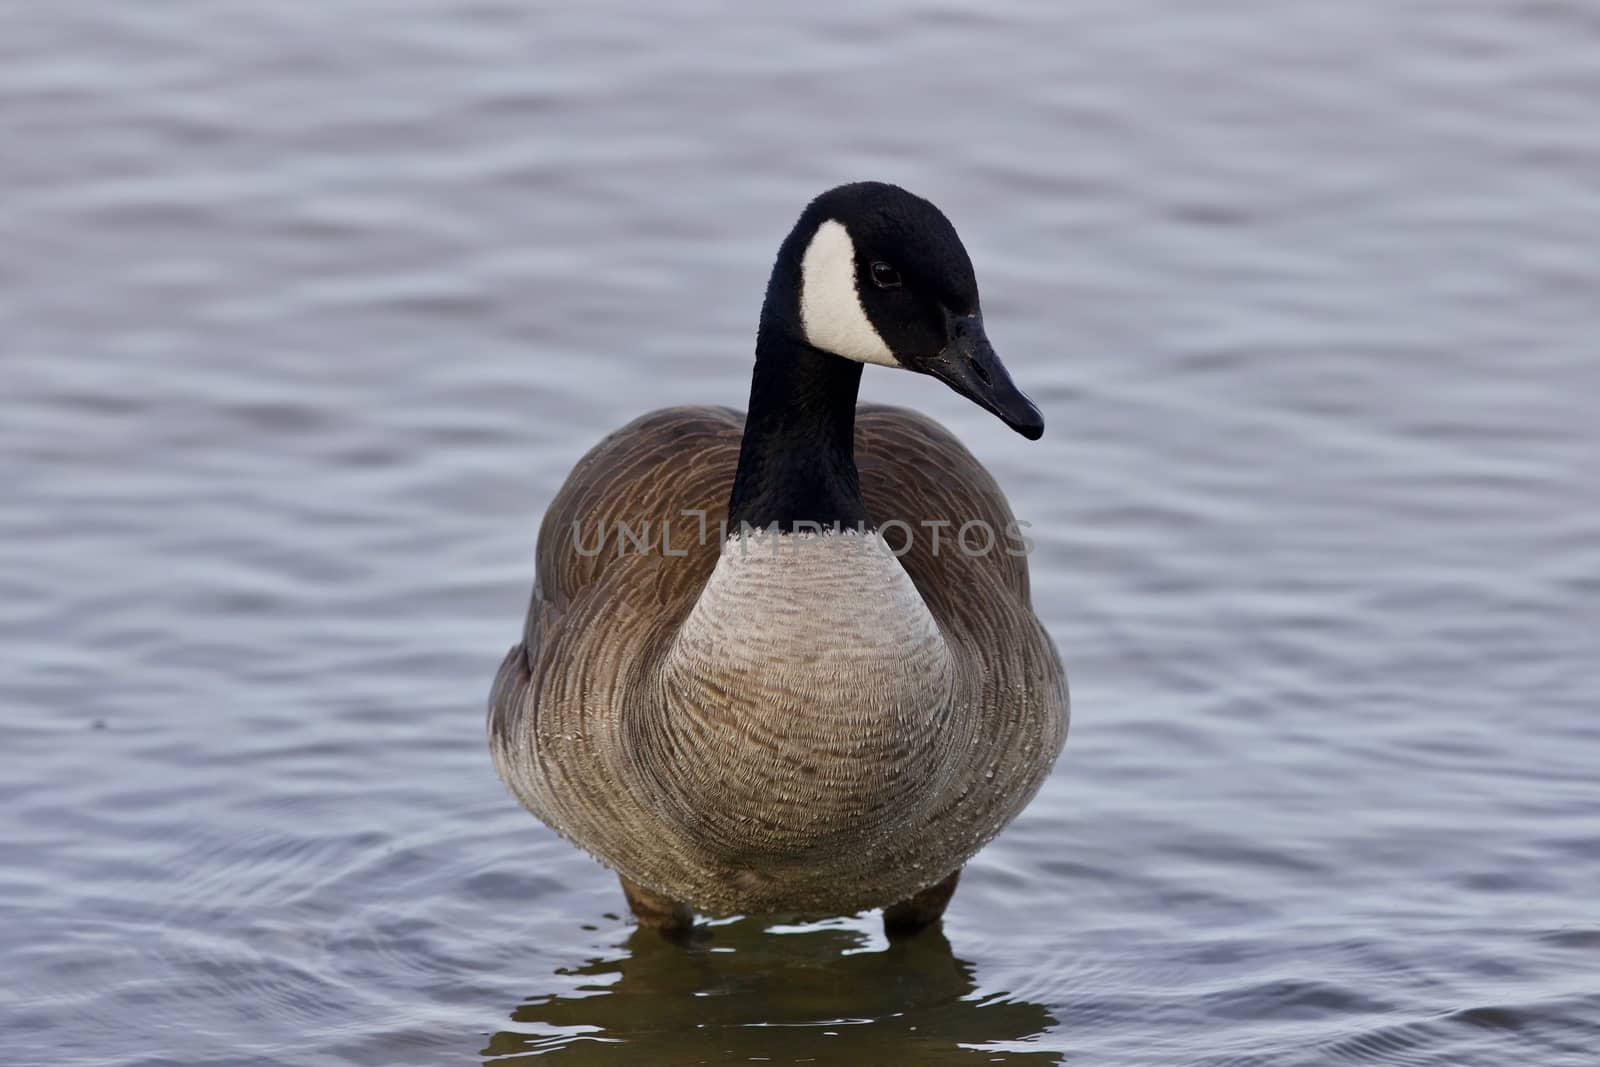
[(884, 276)]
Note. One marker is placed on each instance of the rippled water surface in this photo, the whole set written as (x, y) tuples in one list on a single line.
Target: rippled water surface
[(307, 308)]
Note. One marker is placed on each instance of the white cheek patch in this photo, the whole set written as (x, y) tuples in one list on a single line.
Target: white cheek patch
[(830, 308)]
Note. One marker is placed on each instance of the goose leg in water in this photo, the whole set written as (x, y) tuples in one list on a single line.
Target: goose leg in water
[(915, 912), (654, 910)]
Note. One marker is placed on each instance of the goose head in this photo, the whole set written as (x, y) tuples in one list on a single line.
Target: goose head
[(878, 275)]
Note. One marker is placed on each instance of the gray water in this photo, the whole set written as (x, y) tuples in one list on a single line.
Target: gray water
[(306, 309)]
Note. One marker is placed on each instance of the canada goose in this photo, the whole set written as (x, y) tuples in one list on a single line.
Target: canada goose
[(787, 661)]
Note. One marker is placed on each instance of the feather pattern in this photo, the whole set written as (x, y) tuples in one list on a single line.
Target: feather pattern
[(743, 747)]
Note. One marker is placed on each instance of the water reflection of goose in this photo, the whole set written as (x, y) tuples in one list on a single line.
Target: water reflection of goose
[(821, 994)]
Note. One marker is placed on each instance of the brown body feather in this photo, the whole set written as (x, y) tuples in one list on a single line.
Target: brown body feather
[(736, 801)]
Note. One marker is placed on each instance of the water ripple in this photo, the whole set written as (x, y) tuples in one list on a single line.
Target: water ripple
[(305, 311)]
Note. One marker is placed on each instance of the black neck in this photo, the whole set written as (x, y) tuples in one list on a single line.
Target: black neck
[(797, 464)]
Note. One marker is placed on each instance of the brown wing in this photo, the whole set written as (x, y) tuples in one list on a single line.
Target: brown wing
[(624, 550), (663, 479), (922, 486)]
